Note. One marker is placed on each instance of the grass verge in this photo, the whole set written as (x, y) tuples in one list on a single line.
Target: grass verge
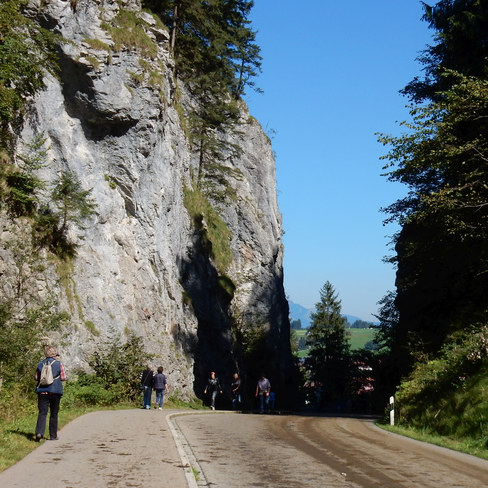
[(473, 447), (18, 434)]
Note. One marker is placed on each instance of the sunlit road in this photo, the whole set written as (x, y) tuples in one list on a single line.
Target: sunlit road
[(244, 451)]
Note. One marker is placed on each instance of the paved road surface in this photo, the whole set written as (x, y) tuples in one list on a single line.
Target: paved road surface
[(138, 448), (123, 448), (299, 451)]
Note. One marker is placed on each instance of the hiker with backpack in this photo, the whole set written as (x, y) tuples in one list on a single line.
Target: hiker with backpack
[(49, 375)]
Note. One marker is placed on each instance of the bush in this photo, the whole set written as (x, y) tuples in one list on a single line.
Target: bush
[(117, 366), (78, 394), (447, 395)]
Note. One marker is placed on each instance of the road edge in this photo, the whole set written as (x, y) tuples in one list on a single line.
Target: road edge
[(188, 459)]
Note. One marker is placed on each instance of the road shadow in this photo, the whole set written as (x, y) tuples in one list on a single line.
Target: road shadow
[(358, 416)]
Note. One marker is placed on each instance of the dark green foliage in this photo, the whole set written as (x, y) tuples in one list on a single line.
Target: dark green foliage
[(52, 208), (212, 42), (447, 395), (361, 324), (22, 186), (26, 53), (68, 205), (329, 354), (441, 249), (21, 340), (296, 324), (116, 367), (26, 316), (461, 35), (302, 343)]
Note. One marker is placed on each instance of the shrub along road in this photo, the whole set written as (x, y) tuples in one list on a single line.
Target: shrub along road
[(138, 448)]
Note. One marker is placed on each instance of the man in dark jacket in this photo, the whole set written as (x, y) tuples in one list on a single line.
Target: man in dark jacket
[(213, 387), (49, 396), (146, 384)]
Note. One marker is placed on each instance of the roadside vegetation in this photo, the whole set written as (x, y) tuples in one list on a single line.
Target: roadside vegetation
[(433, 330), (114, 384), (17, 433)]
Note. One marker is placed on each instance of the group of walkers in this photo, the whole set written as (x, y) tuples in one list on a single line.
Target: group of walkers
[(264, 395), (153, 381), (50, 374)]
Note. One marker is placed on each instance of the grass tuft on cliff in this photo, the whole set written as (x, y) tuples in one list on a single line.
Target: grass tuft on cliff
[(215, 234)]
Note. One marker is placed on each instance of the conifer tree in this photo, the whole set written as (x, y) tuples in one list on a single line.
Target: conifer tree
[(329, 353), (211, 39), (215, 55)]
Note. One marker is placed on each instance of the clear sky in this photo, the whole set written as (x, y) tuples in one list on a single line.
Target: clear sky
[(331, 75)]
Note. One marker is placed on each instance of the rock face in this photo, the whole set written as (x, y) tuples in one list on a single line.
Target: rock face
[(141, 264)]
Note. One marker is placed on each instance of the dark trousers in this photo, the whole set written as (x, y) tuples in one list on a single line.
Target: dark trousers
[(45, 403)]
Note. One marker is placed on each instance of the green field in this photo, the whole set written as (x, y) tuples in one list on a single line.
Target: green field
[(358, 338)]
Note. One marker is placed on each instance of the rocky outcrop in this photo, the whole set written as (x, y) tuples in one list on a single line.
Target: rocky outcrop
[(112, 119)]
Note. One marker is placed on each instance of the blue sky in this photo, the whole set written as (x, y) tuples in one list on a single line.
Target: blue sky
[(331, 75)]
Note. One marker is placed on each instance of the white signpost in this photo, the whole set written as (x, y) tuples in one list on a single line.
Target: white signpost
[(392, 411)]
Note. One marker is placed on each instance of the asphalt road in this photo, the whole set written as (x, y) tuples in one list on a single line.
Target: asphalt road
[(236, 451), (166, 449)]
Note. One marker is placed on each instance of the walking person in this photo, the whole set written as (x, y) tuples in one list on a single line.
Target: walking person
[(262, 392), (236, 389), (212, 388), (147, 378), (49, 392), (160, 385)]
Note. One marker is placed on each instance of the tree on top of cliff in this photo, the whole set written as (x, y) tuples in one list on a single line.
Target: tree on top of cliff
[(217, 58), (211, 40)]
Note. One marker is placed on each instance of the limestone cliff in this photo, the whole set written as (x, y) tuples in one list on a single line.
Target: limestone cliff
[(113, 119)]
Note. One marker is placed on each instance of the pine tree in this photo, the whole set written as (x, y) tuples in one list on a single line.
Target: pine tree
[(215, 55), (211, 39), (461, 35), (329, 353)]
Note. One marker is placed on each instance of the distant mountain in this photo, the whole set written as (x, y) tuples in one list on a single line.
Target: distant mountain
[(351, 318), (298, 312)]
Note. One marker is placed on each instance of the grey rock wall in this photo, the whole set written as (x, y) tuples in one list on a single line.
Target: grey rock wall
[(140, 256)]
